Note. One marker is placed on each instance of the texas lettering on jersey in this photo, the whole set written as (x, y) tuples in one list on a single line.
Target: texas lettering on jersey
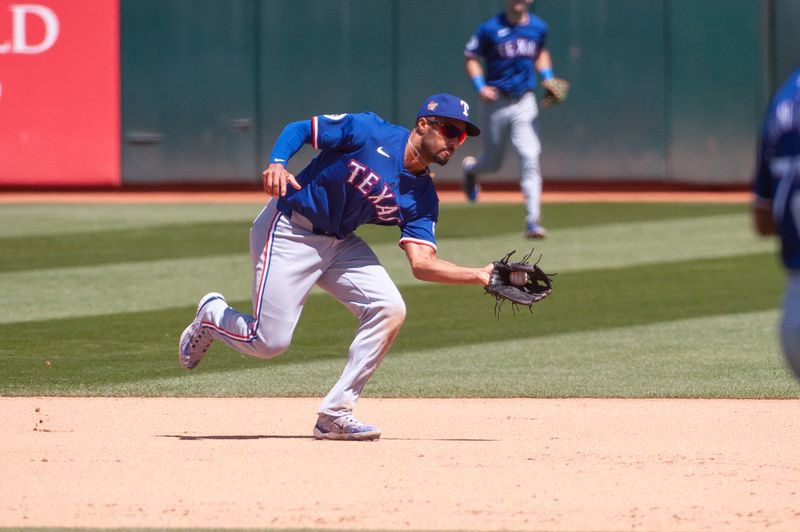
[(358, 178), (517, 48), (364, 180)]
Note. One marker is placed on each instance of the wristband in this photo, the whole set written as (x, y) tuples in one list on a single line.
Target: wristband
[(478, 82), (546, 74)]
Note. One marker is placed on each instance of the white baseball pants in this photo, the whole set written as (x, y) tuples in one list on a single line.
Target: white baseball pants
[(520, 119), (288, 260)]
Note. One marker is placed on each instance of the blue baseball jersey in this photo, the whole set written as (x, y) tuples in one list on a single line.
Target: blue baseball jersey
[(777, 179), (359, 178), (509, 52)]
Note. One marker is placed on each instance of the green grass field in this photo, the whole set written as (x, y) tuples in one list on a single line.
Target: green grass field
[(650, 300)]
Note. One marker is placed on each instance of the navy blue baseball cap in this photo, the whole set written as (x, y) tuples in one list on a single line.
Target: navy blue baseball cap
[(449, 106)]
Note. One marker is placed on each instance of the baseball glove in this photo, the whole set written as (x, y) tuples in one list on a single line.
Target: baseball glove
[(556, 91), (522, 283)]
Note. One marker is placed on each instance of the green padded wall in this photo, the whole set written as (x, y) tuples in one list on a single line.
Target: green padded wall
[(613, 124), (661, 89), (786, 45), (188, 90), (715, 99), (320, 56)]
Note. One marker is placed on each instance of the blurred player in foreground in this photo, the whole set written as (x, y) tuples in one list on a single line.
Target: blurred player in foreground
[(367, 171), (776, 206), (511, 44)]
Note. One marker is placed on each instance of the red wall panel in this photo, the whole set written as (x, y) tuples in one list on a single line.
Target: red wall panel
[(59, 92)]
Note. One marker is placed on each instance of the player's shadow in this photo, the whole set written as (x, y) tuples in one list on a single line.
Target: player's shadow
[(441, 439), (186, 437)]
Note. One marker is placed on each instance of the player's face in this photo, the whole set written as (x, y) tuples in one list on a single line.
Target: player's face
[(518, 6), (444, 137)]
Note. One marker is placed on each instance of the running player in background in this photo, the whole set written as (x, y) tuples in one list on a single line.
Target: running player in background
[(510, 44), (776, 205), (367, 171)]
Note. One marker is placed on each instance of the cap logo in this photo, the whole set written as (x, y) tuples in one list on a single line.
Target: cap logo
[(432, 105), (465, 106)]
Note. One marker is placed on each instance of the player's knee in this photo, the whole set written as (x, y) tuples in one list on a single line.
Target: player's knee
[(529, 158), (393, 311), (272, 345)]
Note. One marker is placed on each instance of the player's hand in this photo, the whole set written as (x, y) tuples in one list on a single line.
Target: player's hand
[(274, 180), (486, 273), (489, 93)]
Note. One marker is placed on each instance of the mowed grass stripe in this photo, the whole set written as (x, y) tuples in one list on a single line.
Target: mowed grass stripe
[(78, 354), (456, 220), (128, 287), (598, 299), (46, 237), (24, 254), (31, 220), (467, 221), (157, 284), (735, 355), (672, 359), (608, 246), (668, 359)]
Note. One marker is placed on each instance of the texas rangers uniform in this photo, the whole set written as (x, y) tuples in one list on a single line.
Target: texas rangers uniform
[(509, 52), (777, 186), (306, 238)]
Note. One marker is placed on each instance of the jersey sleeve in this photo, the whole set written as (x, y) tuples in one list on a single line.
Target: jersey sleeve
[(471, 49), (419, 231), (342, 132), (475, 44), (290, 141)]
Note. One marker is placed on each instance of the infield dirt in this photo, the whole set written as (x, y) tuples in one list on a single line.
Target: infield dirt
[(442, 464)]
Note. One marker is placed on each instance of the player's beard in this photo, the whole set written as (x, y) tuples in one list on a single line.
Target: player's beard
[(442, 156), (435, 152)]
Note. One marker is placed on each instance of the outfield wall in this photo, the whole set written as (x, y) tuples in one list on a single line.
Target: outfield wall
[(663, 90)]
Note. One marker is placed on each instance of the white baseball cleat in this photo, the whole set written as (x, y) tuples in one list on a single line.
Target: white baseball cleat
[(535, 231), (345, 427), (196, 339)]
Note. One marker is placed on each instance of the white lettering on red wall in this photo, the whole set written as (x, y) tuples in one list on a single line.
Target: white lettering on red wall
[(23, 15), (59, 92)]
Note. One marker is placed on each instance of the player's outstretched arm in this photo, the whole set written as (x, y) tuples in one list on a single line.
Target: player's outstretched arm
[(426, 266)]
